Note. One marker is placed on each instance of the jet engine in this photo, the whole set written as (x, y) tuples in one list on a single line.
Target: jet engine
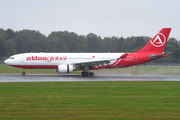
[(65, 68)]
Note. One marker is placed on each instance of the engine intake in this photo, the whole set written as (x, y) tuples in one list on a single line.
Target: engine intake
[(65, 68)]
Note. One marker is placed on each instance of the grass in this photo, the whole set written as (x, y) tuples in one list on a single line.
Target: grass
[(128, 70), (90, 100)]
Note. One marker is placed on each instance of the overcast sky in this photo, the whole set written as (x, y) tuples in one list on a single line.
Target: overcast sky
[(105, 18)]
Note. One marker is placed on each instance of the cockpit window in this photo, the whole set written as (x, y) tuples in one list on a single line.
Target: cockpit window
[(11, 58)]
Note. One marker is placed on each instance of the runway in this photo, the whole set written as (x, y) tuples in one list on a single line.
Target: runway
[(76, 77)]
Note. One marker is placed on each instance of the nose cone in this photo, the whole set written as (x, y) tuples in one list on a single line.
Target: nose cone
[(6, 62)]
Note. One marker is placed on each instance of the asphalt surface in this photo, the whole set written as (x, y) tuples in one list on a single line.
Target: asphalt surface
[(75, 77)]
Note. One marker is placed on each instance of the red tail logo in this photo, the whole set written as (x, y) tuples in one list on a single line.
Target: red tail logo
[(159, 40)]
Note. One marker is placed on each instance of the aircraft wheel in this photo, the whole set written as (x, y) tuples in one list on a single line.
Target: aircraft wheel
[(85, 74), (82, 73), (91, 74), (23, 73)]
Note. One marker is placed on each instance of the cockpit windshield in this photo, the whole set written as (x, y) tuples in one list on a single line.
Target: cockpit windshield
[(11, 57)]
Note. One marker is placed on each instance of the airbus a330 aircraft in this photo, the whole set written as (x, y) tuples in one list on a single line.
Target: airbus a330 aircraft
[(69, 62)]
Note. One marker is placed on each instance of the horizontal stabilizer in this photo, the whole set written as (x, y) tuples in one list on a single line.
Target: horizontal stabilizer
[(153, 56)]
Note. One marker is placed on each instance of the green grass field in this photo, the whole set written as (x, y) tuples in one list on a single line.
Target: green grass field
[(128, 70), (90, 100)]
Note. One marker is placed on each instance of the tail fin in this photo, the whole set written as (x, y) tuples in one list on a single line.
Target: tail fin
[(158, 42)]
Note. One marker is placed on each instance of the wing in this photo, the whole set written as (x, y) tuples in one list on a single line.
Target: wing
[(94, 63)]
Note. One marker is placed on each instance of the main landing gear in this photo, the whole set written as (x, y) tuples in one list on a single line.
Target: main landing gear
[(86, 71), (23, 73)]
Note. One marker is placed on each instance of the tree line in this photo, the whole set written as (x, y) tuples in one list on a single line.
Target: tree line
[(13, 42)]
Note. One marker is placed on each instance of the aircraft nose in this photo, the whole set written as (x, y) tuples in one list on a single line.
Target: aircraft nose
[(6, 61)]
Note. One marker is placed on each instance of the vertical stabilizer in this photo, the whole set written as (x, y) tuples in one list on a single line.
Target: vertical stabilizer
[(158, 42)]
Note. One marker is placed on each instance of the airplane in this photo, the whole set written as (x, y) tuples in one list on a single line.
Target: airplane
[(69, 62)]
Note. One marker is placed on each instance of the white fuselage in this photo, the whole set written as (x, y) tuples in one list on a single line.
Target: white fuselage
[(59, 58)]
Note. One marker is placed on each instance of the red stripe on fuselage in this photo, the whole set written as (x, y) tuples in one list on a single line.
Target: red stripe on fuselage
[(36, 66)]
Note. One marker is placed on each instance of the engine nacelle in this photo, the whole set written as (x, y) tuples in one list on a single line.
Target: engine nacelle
[(65, 68)]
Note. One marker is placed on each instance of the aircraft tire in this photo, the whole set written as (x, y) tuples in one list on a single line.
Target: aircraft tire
[(85, 74), (82, 73), (23, 73), (91, 74)]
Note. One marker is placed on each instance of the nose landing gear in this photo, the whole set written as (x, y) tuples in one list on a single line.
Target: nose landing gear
[(23, 73)]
